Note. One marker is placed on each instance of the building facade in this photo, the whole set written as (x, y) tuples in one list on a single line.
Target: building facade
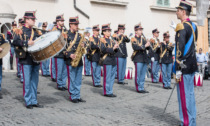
[(151, 13)]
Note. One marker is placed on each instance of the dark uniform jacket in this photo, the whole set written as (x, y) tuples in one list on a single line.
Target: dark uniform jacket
[(155, 51), (138, 44), (167, 56), (183, 34), (95, 49), (122, 45), (63, 31), (21, 41), (70, 39), (107, 48), (2, 41), (10, 36)]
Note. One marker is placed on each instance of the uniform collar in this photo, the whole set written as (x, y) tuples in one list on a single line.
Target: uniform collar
[(137, 36), (187, 19), (106, 37), (95, 36), (26, 26)]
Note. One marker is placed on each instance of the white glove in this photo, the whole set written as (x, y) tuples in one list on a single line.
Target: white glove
[(178, 75), (173, 25), (152, 59)]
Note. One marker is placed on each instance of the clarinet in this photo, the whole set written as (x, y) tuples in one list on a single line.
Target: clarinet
[(119, 48)]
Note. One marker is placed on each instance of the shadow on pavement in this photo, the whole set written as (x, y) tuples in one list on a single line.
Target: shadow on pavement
[(157, 113)]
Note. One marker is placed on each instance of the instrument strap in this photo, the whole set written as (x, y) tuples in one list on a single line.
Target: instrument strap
[(121, 40), (74, 41)]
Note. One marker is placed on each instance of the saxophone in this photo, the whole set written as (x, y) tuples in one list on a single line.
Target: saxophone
[(79, 53)]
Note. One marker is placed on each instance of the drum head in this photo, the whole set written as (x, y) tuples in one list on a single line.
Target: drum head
[(44, 41), (6, 47)]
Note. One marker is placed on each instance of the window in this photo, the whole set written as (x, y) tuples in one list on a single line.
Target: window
[(164, 3)]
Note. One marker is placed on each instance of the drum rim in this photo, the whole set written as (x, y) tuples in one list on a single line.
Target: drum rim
[(46, 45), (53, 55)]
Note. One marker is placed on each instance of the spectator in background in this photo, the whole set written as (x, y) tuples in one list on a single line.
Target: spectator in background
[(201, 60)]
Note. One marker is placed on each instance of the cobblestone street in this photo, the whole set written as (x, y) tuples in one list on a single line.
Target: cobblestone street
[(129, 108)]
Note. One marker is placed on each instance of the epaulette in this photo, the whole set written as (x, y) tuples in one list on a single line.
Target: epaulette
[(54, 28), (114, 35), (179, 27), (133, 39), (64, 34), (91, 39), (39, 32), (3, 35), (152, 40), (103, 40), (18, 31), (80, 35)]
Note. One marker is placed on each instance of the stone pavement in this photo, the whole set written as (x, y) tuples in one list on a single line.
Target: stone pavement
[(129, 108)]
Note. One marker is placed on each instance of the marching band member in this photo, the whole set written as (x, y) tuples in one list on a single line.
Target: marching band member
[(75, 46), (95, 57), (10, 36), (140, 57), (108, 48), (61, 72), (24, 38), (45, 64), (2, 41), (166, 59), (19, 69), (155, 55), (87, 62), (52, 61), (121, 56), (186, 64)]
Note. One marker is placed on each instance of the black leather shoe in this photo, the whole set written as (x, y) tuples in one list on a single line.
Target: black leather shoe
[(110, 95), (81, 100), (169, 87), (38, 92), (38, 106), (120, 83), (143, 91), (98, 86), (61, 89), (65, 88), (125, 83), (54, 80), (165, 88), (75, 101), (154, 82), (29, 107)]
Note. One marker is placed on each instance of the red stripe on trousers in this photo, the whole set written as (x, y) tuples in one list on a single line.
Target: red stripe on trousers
[(151, 71), (68, 78), (117, 69), (92, 74), (56, 70), (183, 102), (136, 77), (51, 69), (23, 81), (17, 65), (104, 79), (84, 66)]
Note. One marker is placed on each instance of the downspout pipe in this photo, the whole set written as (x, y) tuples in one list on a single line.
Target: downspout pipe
[(82, 12)]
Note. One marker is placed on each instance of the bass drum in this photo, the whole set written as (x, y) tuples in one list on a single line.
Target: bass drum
[(47, 46)]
